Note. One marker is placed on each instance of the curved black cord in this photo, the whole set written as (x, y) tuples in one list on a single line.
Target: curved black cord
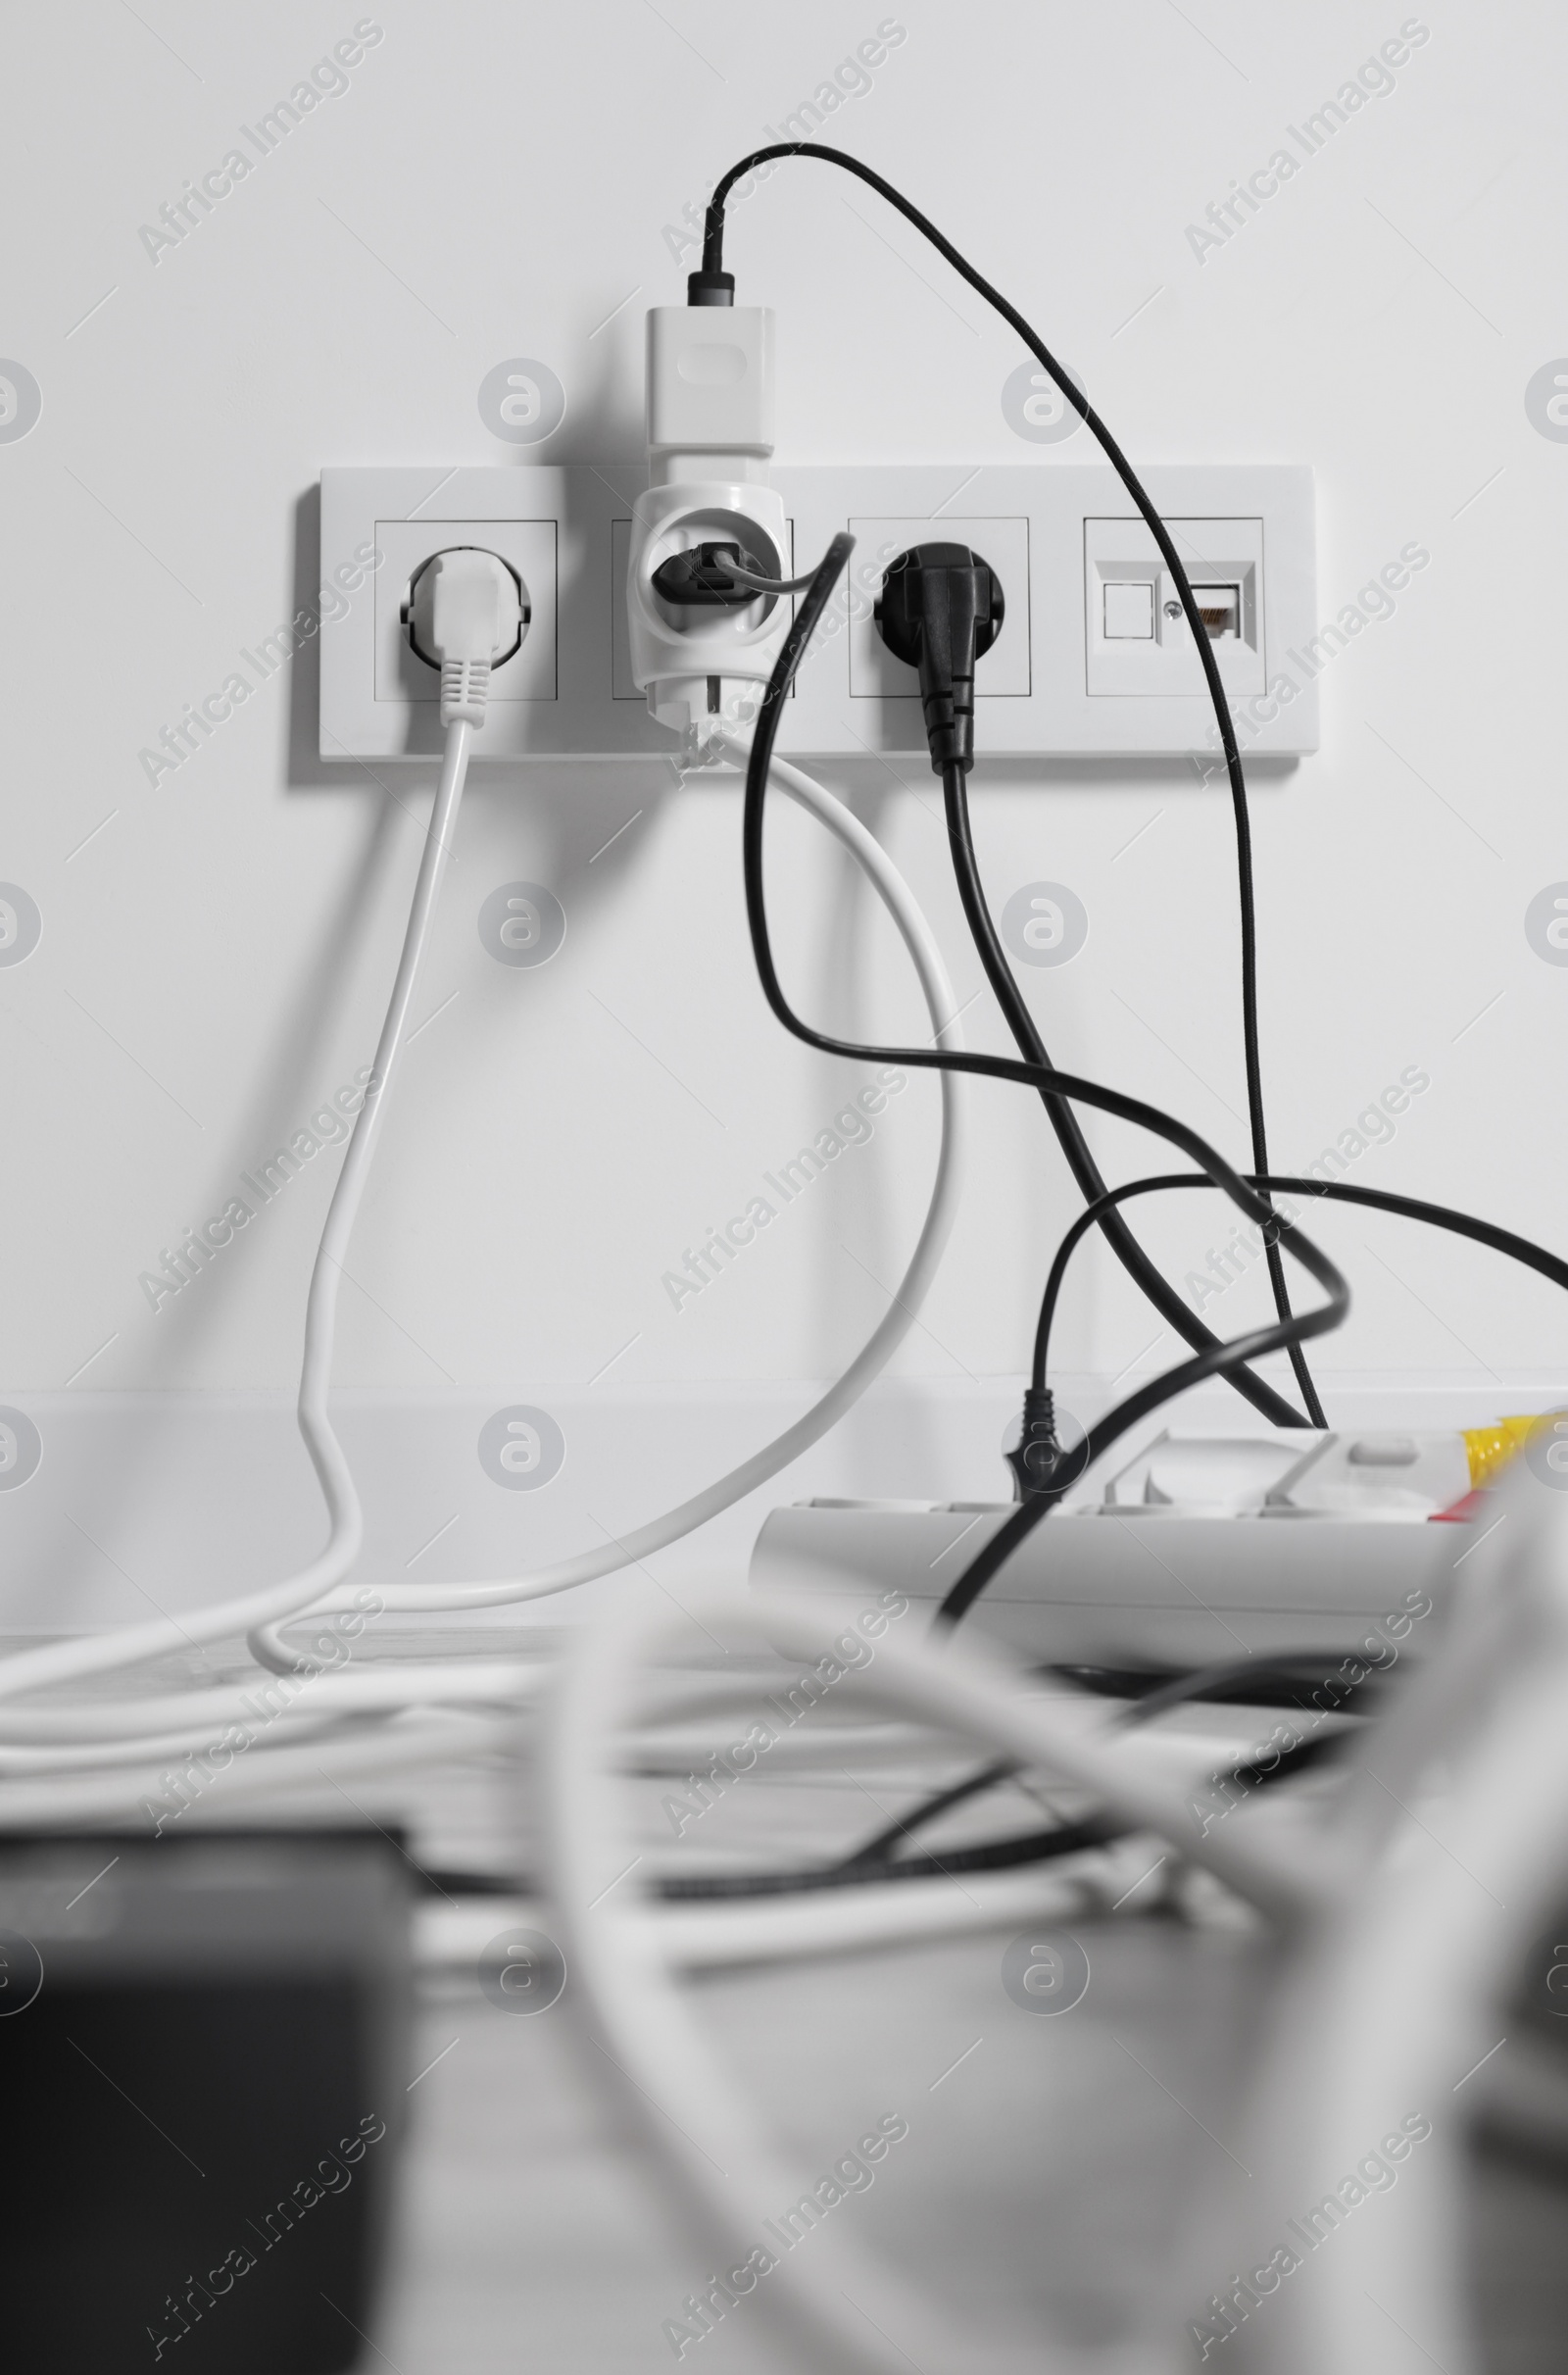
[(1278, 1680), (1258, 1681), (1165, 1297), (995, 1855), (876, 1861), (1216, 1358), (882, 1846), (1379, 1200), (1232, 1678), (1026, 1037), (1283, 1678), (990, 1855), (989, 1561), (975, 1577)]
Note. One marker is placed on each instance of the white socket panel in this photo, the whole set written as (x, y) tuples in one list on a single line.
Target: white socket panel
[(1054, 685)]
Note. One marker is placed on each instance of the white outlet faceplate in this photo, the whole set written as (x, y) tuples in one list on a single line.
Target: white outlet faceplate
[(1056, 683)]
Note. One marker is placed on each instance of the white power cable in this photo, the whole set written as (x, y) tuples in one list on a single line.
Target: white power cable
[(363, 1689), (475, 618), (159, 1637), (1400, 1996), (147, 1724), (401, 1741), (728, 1935), (840, 2305), (845, 1390)]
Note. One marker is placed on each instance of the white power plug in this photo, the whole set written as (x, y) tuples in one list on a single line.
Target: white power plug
[(467, 613)]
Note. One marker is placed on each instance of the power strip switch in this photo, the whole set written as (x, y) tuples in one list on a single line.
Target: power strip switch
[(709, 442)]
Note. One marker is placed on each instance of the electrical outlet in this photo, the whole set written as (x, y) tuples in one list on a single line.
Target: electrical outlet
[(876, 674), (1089, 662), (554, 527)]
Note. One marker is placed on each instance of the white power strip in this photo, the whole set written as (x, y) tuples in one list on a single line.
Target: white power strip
[(1200, 1549)]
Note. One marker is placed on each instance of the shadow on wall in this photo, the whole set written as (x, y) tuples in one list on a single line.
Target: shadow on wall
[(602, 426), (514, 813)]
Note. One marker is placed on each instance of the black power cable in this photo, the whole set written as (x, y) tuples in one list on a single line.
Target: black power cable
[(1377, 1200), (1276, 1680), (1217, 1358), (1065, 1468), (714, 286), (1213, 1357), (883, 1843), (876, 1861), (994, 1856), (1271, 1681), (1258, 1681)]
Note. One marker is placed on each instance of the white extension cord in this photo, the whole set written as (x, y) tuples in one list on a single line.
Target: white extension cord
[(838, 2306), (149, 1728), (908, 1296), (159, 1637), (1403, 1910), (1398, 1995), (475, 618)]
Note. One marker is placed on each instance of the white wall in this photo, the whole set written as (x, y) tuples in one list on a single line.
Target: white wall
[(494, 182)]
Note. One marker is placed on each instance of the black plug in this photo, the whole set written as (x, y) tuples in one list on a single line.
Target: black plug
[(1037, 1456), (940, 608), (699, 578)]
